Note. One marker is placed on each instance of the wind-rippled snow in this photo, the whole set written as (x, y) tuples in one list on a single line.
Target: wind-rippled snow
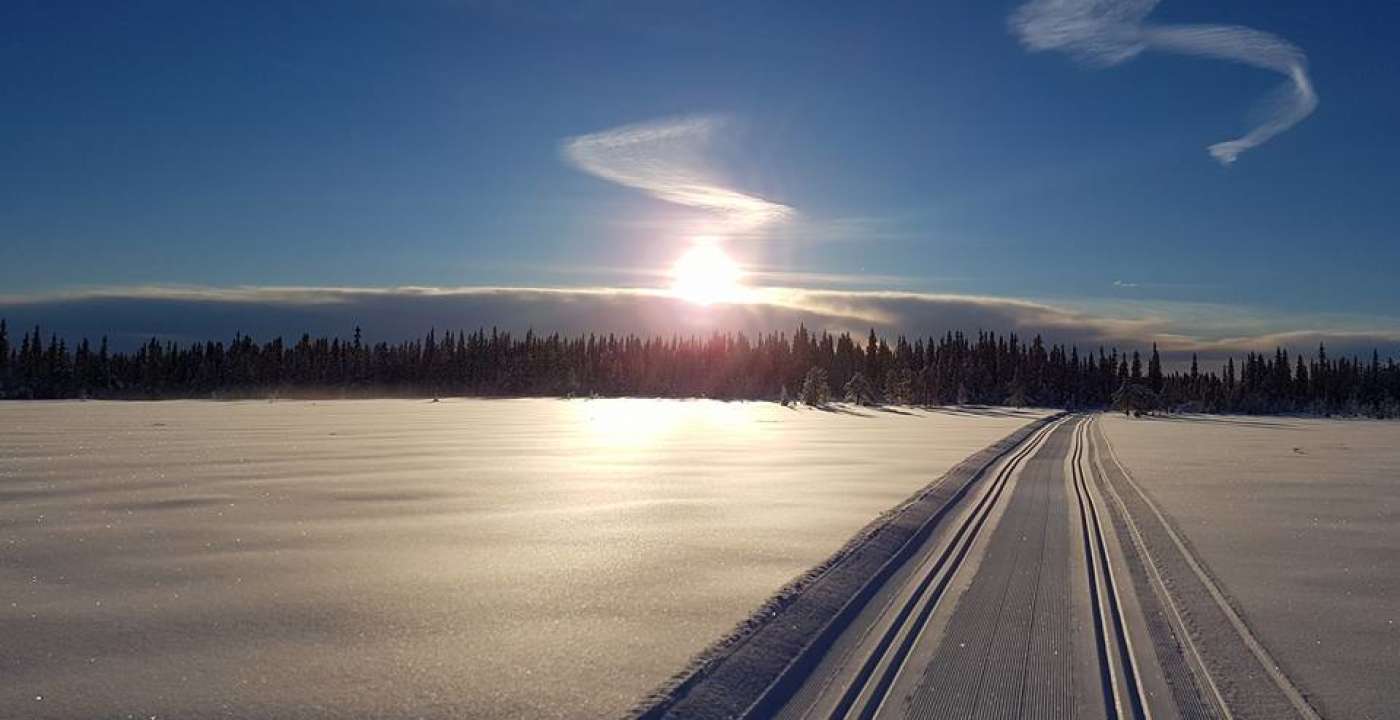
[(1299, 521), (469, 558)]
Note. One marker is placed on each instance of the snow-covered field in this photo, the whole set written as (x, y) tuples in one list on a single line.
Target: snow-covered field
[(1299, 520), (533, 558)]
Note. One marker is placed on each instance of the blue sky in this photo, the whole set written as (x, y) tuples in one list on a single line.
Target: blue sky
[(921, 147)]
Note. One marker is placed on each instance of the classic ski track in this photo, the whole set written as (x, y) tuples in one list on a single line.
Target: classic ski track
[(1023, 627), (1003, 670), (1129, 701), (1190, 652), (1285, 685), (863, 697)]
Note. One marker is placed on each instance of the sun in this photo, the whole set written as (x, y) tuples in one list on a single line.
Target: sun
[(705, 275)]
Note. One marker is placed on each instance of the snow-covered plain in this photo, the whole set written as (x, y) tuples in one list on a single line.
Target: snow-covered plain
[(1299, 521), (527, 558)]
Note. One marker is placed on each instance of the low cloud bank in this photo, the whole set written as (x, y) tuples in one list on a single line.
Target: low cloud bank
[(129, 316)]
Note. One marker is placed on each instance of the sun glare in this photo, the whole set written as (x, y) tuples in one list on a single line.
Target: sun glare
[(705, 275)]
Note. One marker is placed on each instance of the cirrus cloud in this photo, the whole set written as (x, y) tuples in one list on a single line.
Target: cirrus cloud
[(667, 160), (1109, 32)]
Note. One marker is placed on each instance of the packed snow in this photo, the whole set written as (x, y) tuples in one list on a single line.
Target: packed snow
[(469, 558), (1299, 521)]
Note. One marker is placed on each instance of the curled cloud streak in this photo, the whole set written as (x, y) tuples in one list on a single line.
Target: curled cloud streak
[(666, 160), (1108, 32)]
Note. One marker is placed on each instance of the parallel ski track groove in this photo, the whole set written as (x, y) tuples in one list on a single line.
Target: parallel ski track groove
[(1008, 650), (1172, 646), (1108, 609), (954, 683), (981, 666), (914, 613), (1242, 677)]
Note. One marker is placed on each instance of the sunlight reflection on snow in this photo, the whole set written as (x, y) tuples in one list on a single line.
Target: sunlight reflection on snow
[(618, 424)]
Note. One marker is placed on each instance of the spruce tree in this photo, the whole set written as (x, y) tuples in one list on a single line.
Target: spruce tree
[(1154, 371), (872, 357), (899, 386)]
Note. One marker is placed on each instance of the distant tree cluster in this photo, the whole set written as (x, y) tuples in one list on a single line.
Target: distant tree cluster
[(809, 367)]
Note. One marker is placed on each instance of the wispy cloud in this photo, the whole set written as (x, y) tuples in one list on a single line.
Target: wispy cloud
[(1122, 284), (667, 160), (1108, 32), (774, 276), (759, 275)]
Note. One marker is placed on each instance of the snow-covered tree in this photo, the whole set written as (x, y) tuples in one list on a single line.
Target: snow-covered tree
[(859, 391), (815, 390)]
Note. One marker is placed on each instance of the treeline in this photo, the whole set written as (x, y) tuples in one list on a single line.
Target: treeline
[(987, 368)]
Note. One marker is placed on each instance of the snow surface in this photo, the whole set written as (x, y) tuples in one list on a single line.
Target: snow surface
[(1299, 521), (469, 558)]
